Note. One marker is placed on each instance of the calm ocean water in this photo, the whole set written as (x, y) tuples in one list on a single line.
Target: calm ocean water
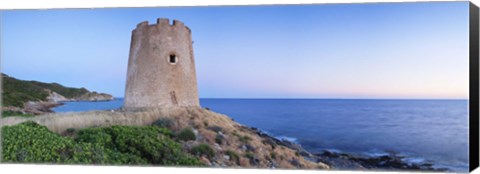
[(423, 130)]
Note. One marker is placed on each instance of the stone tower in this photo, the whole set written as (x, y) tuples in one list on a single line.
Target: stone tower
[(161, 69)]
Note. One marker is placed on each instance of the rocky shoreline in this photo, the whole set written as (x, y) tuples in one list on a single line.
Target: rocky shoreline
[(345, 161), (53, 100)]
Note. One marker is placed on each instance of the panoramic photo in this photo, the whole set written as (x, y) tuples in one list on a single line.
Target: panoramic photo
[(368, 86)]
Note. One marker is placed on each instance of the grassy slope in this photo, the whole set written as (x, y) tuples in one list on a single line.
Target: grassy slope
[(16, 92), (16, 114)]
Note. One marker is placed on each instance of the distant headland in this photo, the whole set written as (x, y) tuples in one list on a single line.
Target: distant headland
[(34, 97)]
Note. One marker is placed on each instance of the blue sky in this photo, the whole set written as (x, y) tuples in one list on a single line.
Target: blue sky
[(379, 50)]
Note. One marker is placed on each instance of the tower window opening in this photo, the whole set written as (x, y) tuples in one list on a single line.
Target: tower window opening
[(173, 59)]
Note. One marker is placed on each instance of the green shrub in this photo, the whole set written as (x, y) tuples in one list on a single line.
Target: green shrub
[(249, 155), (163, 122), (70, 130), (233, 156), (146, 142), (30, 142), (273, 155), (96, 136), (219, 139), (186, 134), (244, 139), (203, 150)]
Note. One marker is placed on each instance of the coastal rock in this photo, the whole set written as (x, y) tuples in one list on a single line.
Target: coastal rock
[(329, 159), (94, 96), (386, 162), (39, 107), (323, 165), (87, 96), (296, 163), (273, 165), (55, 97), (249, 148), (218, 147), (205, 161), (254, 161)]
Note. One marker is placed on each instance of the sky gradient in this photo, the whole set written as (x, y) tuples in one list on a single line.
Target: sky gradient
[(378, 50)]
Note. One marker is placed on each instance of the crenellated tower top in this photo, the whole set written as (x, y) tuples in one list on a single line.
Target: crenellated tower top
[(162, 22)]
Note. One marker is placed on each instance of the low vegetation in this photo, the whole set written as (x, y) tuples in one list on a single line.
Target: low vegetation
[(203, 150), (15, 113), (233, 156), (62, 90), (186, 134), (30, 142), (163, 122), (16, 92)]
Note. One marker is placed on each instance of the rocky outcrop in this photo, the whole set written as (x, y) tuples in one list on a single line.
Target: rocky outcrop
[(392, 161), (88, 96), (55, 97), (94, 96), (40, 107), (389, 162)]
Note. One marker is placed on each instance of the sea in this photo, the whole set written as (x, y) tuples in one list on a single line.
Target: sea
[(433, 131)]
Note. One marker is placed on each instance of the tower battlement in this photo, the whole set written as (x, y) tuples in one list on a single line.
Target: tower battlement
[(161, 67), (162, 22)]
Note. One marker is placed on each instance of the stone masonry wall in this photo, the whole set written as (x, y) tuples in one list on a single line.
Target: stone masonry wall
[(152, 80)]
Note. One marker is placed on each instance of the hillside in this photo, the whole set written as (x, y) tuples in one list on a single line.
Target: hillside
[(17, 93), (213, 139)]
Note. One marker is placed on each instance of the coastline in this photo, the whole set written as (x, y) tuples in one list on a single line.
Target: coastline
[(44, 107), (337, 160), (349, 161)]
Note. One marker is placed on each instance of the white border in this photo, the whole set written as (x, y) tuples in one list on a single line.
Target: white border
[(72, 169), (49, 4)]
